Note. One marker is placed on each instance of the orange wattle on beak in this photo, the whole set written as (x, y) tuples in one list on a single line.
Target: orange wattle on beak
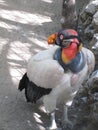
[(52, 38)]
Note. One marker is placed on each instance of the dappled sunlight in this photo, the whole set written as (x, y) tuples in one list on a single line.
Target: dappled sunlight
[(19, 50), (19, 44), (18, 55), (17, 58), (2, 2), (3, 41), (14, 56), (38, 42), (15, 72), (48, 1), (24, 17), (19, 38), (36, 50), (24, 28), (7, 26), (36, 115), (42, 108), (38, 120)]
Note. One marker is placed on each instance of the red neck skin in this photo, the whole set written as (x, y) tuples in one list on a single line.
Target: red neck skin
[(69, 53)]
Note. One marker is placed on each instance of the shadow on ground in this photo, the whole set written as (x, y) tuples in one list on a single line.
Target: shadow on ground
[(24, 27)]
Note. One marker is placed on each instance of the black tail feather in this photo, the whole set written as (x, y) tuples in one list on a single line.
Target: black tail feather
[(32, 91), (23, 82)]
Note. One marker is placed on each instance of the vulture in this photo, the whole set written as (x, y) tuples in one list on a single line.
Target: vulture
[(55, 75)]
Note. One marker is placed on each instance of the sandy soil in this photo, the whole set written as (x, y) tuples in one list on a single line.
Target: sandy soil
[(24, 27)]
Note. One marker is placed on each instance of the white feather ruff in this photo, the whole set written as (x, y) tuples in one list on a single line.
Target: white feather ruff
[(43, 70)]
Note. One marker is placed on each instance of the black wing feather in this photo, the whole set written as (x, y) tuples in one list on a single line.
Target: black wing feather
[(32, 91)]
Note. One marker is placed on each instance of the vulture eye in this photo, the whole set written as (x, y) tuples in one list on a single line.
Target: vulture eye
[(66, 42)]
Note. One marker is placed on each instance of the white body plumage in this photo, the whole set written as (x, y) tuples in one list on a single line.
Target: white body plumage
[(46, 72)]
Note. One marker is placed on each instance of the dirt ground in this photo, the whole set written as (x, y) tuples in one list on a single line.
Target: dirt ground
[(24, 27)]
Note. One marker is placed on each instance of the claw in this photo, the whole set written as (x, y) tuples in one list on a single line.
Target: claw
[(67, 123)]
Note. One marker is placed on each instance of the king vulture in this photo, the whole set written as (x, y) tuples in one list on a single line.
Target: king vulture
[(56, 74)]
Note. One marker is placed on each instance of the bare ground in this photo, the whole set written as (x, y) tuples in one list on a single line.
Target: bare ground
[(24, 27)]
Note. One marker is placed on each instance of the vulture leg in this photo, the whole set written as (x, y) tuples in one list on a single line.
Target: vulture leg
[(53, 122), (66, 121)]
